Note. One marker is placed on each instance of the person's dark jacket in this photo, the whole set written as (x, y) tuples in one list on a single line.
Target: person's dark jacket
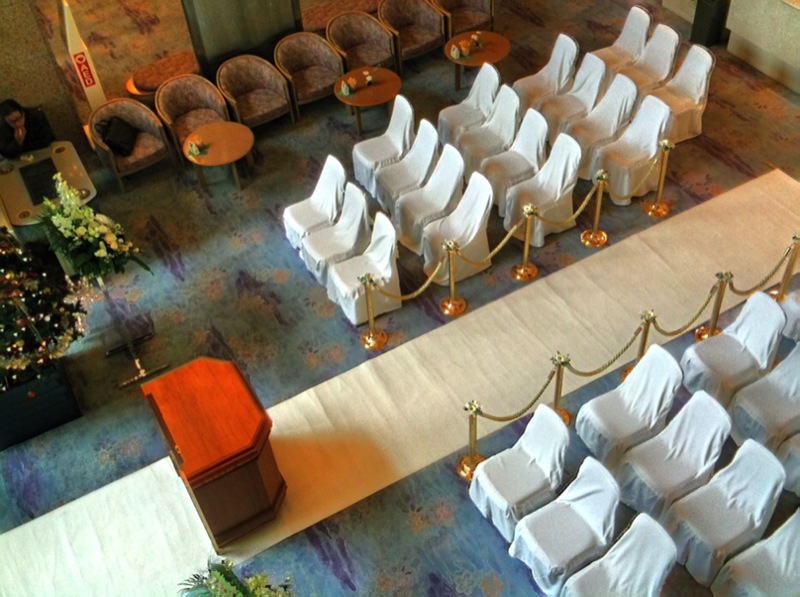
[(37, 136)]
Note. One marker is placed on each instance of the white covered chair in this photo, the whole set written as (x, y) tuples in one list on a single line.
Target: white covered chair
[(630, 43), (348, 237), (633, 411), (768, 410), (550, 190), (738, 356), (380, 260), (655, 64), (554, 77), (577, 527), (411, 171), (321, 209), (473, 111), (520, 161), (515, 482), (466, 225), (791, 307), (637, 564), (371, 154), (495, 135), (770, 568), (561, 110), (728, 514), (789, 455), (604, 123), (686, 94), (434, 200), (676, 461), (629, 160)]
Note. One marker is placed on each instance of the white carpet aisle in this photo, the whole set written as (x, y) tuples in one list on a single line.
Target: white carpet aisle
[(355, 434)]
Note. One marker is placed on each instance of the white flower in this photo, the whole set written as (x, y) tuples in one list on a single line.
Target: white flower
[(80, 231), (101, 252)]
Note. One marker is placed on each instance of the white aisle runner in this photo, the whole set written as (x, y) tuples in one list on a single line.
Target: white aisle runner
[(393, 415)]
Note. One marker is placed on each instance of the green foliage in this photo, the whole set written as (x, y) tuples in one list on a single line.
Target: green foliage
[(220, 580)]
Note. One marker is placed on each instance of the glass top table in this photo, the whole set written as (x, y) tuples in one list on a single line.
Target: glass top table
[(25, 182)]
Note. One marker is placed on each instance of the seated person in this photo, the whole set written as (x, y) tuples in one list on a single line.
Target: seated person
[(22, 129)]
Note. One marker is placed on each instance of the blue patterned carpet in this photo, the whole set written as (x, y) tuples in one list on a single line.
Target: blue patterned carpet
[(226, 283)]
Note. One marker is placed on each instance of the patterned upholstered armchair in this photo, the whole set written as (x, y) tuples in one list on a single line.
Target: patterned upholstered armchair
[(466, 15), (417, 25), (187, 102), (255, 89), (310, 64), (150, 145), (362, 40)]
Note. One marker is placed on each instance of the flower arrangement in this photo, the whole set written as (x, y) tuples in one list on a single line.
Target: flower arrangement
[(220, 580), (93, 244)]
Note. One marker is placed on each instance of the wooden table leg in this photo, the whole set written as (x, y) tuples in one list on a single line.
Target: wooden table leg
[(201, 177), (236, 176), (458, 76), (358, 120)]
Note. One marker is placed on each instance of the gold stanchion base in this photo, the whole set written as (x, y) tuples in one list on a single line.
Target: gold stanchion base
[(466, 466), (453, 307), (702, 333), (626, 371), (524, 272), (594, 239), (565, 416), (775, 294), (374, 339), (655, 208)]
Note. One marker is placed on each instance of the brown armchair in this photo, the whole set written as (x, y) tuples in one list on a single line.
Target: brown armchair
[(417, 25), (310, 64), (255, 89), (362, 40), (466, 15), (187, 102), (150, 145)]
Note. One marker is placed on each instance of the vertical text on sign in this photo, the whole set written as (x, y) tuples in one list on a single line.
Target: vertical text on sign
[(84, 69)]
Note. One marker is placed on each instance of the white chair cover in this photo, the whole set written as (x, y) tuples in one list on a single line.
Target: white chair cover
[(550, 190), (636, 565), (561, 110), (348, 237), (411, 171), (789, 455), (380, 260), (669, 465), (742, 353), (768, 410), (554, 77), (496, 134), (630, 43), (770, 568), (791, 307), (522, 160), (655, 64), (524, 477), (577, 527), (467, 226), (727, 515), (384, 149), (437, 198), (629, 160), (473, 111), (604, 123), (321, 209), (686, 94), (633, 411)]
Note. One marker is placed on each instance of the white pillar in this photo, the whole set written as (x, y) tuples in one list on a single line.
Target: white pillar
[(81, 59)]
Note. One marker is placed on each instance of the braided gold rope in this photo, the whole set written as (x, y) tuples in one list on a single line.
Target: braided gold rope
[(766, 278), (641, 182), (418, 291), (691, 322), (608, 363), (575, 215), (502, 244), (479, 411)]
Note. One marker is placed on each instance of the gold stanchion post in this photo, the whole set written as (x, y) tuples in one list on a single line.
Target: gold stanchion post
[(526, 271), (467, 463), (373, 338), (658, 208), (453, 305), (704, 331), (780, 294), (596, 238), (647, 320), (559, 361)]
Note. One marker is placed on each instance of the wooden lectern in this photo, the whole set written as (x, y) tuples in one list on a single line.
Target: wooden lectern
[(218, 438)]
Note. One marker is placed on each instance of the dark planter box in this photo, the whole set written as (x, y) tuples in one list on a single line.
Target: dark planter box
[(36, 406)]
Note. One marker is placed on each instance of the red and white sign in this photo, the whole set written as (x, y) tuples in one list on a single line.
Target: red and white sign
[(84, 69)]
